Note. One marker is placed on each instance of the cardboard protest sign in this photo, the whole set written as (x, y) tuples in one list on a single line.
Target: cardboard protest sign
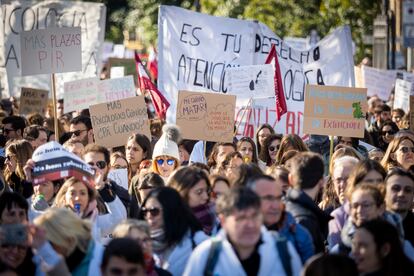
[(113, 122), (402, 95), (378, 82), (53, 162), (333, 110), (115, 89), (22, 15), (127, 63), (191, 62), (52, 50), (80, 94), (206, 116), (249, 81), (33, 100), (120, 176)]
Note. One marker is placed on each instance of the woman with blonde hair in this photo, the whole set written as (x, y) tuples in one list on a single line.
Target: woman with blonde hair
[(400, 153), (17, 154), (69, 236), (83, 200)]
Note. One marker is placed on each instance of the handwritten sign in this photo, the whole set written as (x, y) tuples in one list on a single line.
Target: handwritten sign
[(378, 82), (117, 72), (128, 64), (33, 100), (120, 176), (249, 81), (52, 50), (113, 122), (80, 94), (116, 89), (206, 116), (402, 95), (334, 110)]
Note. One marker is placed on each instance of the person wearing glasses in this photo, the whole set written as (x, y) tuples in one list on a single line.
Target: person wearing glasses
[(194, 187), (400, 153), (388, 131), (139, 231), (269, 150), (166, 156), (81, 129), (13, 127), (98, 158), (175, 231), (399, 197)]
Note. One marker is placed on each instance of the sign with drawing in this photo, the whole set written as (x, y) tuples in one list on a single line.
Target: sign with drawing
[(206, 116)]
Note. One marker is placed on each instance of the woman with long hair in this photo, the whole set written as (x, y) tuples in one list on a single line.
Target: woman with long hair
[(264, 131), (247, 149), (269, 149), (400, 153), (175, 231), (290, 142), (137, 149)]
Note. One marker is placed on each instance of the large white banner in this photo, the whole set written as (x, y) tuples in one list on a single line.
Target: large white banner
[(195, 50), (18, 16)]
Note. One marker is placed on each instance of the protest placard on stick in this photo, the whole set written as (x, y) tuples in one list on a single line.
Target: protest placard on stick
[(80, 94), (335, 110), (206, 116), (402, 95), (33, 100), (113, 122)]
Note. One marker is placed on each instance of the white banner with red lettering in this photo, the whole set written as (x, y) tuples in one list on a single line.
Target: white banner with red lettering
[(195, 49)]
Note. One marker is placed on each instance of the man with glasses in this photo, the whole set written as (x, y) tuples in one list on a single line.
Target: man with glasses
[(81, 130), (13, 127), (399, 198), (243, 246), (98, 158), (277, 219)]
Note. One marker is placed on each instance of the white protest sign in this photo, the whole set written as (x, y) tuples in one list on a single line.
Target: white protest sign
[(116, 89), (52, 50), (378, 82), (117, 72), (19, 15), (80, 94), (402, 95), (188, 60), (410, 78), (248, 81), (120, 176)]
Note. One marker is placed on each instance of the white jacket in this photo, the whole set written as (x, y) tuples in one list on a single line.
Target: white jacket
[(229, 264), (105, 223), (179, 256)]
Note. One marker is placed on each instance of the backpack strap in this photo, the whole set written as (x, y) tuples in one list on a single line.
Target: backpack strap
[(282, 248), (212, 258)]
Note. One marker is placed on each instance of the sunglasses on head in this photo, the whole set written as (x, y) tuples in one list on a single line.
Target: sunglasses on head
[(153, 211), (273, 148), (169, 161), (76, 132), (407, 149), (100, 164)]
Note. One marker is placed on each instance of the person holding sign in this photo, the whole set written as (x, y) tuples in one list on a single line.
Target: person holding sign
[(166, 156)]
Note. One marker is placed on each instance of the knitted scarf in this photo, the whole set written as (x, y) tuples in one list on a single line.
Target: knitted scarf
[(206, 216)]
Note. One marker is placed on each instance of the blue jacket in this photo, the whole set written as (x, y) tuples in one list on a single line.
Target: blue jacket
[(298, 235)]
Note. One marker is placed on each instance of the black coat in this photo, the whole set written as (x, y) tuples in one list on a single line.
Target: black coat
[(307, 213)]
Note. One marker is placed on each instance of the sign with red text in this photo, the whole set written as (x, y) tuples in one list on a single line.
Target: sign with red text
[(206, 116), (115, 89), (113, 122), (33, 100), (52, 50), (80, 94), (334, 110)]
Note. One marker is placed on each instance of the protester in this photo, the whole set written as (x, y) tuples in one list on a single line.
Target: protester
[(219, 186), (281, 176), (306, 177), (276, 218), (36, 135), (388, 130), (137, 149), (68, 236), (43, 197), (175, 231), (400, 153), (396, 116), (377, 250), (353, 143), (247, 149), (326, 265), (263, 131), (194, 187), (139, 231), (104, 212), (13, 127), (185, 147), (75, 147), (399, 198), (231, 166), (218, 155), (269, 150), (166, 157), (140, 187), (117, 161), (123, 256), (243, 246), (81, 130), (290, 142), (17, 154), (376, 154)]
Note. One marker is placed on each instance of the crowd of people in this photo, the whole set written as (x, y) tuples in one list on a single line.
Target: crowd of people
[(271, 205)]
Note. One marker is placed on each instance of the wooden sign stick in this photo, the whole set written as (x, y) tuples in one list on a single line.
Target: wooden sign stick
[(55, 119)]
